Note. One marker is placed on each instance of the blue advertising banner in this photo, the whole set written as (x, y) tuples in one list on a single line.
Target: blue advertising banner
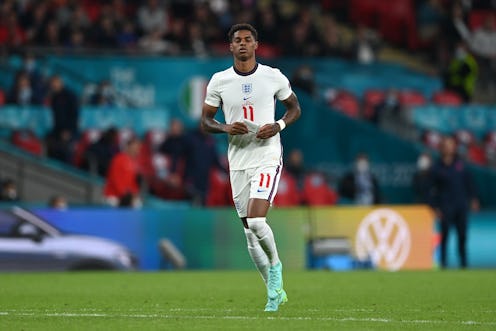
[(213, 238)]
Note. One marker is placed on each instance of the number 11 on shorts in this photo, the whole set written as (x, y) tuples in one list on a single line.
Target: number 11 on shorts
[(266, 182)]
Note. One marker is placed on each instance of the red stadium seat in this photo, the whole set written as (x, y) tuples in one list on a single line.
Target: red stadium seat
[(476, 154), (268, 51), (371, 99), (316, 192), (88, 137), (345, 102), (411, 98), (397, 20), (219, 193), (164, 184), (26, 140), (447, 98), (477, 17), (287, 193), (3, 99), (365, 12)]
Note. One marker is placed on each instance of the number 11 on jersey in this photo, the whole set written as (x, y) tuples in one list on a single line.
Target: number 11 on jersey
[(248, 112)]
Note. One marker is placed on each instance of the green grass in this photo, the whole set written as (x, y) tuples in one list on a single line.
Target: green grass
[(450, 300)]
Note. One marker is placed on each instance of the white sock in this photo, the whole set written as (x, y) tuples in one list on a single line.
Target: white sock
[(263, 232), (257, 254)]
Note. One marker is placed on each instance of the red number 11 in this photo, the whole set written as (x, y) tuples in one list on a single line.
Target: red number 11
[(245, 112)]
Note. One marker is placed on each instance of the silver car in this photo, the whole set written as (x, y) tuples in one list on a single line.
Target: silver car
[(28, 243)]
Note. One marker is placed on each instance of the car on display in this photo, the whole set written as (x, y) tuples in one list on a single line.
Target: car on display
[(28, 243)]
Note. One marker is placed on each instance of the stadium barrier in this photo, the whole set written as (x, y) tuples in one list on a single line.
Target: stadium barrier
[(390, 237)]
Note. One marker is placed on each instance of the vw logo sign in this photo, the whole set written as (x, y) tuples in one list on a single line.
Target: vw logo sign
[(384, 237)]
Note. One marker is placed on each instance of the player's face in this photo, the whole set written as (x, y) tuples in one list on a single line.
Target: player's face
[(243, 45)]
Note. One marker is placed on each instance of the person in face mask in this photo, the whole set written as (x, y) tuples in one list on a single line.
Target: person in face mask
[(9, 191), (421, 181), (462, 73), (360, 185)]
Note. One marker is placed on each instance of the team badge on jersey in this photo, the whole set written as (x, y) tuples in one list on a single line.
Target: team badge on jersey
[(246, 88)]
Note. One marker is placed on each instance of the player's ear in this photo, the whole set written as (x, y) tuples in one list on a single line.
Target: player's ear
[(231, 47), (256, 45)]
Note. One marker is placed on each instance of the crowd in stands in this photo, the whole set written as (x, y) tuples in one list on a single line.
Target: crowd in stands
[(459, 38)]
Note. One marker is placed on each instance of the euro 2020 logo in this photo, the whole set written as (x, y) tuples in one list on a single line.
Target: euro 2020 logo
[(384, 237)]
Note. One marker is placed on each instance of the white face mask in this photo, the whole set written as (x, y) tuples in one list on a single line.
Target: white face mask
[(423, 163), (362, 166)]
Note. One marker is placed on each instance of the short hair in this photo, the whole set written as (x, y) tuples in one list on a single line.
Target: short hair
[(242, 26)]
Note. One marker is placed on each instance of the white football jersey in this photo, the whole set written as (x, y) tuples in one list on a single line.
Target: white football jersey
[(250, 96)]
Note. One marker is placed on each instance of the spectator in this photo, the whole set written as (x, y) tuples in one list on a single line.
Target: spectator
[(390, 107), (430, 15), (105, 34), (453, 29), (38, 83), (462, 73), (127, 38), (104, 94), (365, 46), (483, 44), (153, 17), (201, 158), (360, 185), (123, 177), (57, 202), (175, 145), (295, 167), (98, 156), (65, 114), (421, 181), (304, 78), (64, 106), (8, 191), (198, 43), (11, 33), (153, 43), (21, 93), (51, 36), (178, 36), (332, 42), (453, 196)]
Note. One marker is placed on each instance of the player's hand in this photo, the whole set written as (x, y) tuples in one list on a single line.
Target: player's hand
[(268, 130), (237, 128)]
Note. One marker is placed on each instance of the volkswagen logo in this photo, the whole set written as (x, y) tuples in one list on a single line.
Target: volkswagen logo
[(384, 237)]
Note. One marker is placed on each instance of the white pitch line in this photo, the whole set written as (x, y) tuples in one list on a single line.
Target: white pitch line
[(235, 317)]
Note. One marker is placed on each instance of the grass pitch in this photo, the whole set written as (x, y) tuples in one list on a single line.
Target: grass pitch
[(448, 300)]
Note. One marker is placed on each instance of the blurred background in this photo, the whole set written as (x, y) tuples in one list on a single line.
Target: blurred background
[(100, 102)]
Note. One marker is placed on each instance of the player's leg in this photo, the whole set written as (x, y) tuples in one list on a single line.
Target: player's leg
[(263, 189), (240, 184), (256, 252)]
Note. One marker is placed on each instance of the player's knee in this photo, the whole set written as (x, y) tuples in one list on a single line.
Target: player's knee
[(258, 226)]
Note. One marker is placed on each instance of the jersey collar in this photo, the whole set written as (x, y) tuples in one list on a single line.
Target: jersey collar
[(246, 73)]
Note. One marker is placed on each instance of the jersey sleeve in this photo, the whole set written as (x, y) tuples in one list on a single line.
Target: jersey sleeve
[(212, 97), (283, 86)]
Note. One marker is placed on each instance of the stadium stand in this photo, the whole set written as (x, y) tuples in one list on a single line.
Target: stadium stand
[(349, 88)]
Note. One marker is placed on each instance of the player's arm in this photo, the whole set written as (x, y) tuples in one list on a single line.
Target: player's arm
[(293, 112), (211, 125)]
